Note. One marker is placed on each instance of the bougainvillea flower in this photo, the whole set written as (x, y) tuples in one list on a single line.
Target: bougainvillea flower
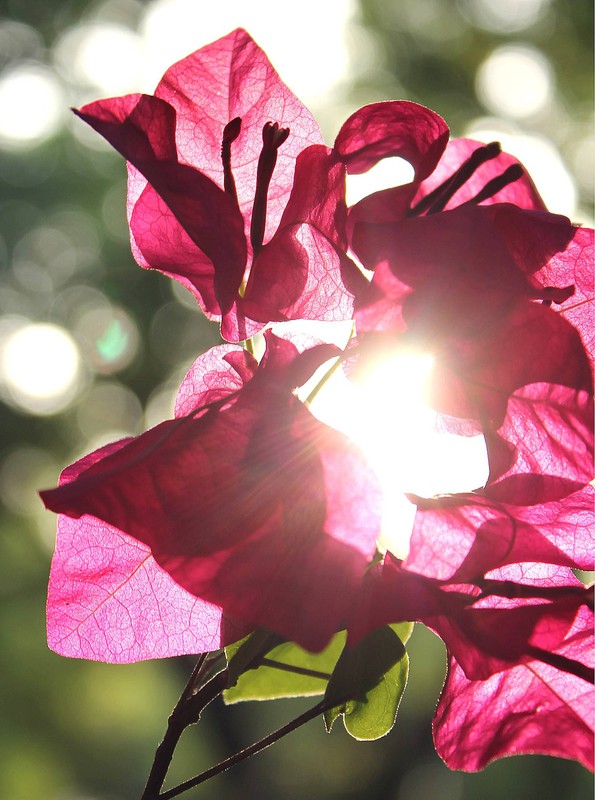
[(462, 256), (450, 284), (525, 631), (447, 174), (530, 708), (232, 191), (245, 499)]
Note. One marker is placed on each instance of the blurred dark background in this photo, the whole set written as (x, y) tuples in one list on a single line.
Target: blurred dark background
[(92, 348)]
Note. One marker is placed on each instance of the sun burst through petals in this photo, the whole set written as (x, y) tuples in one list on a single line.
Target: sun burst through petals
[(387, 416)]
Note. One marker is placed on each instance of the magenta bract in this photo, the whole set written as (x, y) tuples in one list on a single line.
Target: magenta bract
[(231, 190), (245, 499), (523, 633), (533, 707)]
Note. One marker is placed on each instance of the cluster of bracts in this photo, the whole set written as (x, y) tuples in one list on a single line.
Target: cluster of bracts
[(244, 511)]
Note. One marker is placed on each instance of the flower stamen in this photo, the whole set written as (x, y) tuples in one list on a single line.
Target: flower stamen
[(439, 197), (510, 175), (230, 134), (272, 138)]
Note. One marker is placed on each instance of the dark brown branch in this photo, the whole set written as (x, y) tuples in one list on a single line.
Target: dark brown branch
[(251, 750), (186, 712)]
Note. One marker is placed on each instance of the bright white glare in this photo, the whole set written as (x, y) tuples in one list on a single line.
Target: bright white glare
[(541, 159), (385, 174), (386, 415), (298, 42), (506, 16), (105, 56), (515, 80), (32, 104), (40, 366)]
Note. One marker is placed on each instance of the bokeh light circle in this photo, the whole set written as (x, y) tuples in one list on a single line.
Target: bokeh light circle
[(505, 16), (516, 81), (40, 368), (109, 338), (106, 57), (33, 105)]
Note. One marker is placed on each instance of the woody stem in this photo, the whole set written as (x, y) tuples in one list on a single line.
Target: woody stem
[(186, 712), (251, 750)]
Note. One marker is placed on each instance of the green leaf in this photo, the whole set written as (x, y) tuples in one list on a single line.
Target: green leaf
[(368, 682), (287, 671), (403, 630), (247, 653)]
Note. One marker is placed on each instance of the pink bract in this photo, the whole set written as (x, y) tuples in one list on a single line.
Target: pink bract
[(245, 500), (461, 537), (231, 190), (466, 263), (519, 638), (529, 708), (450, 284)]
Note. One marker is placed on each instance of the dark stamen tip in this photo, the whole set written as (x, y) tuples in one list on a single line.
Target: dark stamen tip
[(513, 173), (493, 149), (273, 136), (232, 130)]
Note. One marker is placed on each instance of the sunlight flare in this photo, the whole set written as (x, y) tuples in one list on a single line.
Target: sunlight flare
[(386, 414)]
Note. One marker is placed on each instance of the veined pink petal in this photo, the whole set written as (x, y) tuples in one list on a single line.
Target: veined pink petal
[(142, 129), (108, 600), (544, 447), (394, 128), (461, 537), (530, 708), (304, 272), (516, 614), (574, 266), (215, 375), (490, 249), (514, 621), (158, 241), (230, 78), (248, 502)]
